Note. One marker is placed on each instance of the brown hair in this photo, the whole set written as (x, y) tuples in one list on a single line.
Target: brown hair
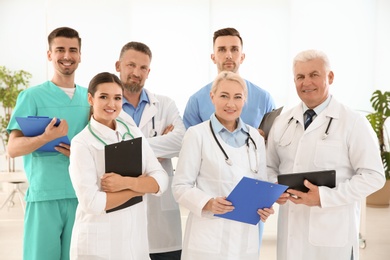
[(227, 32), (137, 46), (103, 77), (63, 32)]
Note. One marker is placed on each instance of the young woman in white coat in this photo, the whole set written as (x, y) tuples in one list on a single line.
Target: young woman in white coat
[(120, 234), (323, 223), (215, 155)]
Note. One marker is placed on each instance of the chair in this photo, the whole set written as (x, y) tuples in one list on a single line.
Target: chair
[(16, 179), (16, 191)]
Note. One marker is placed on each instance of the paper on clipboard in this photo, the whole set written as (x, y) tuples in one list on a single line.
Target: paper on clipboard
[(36, 125), (268, 120), (248, 196), (125, 158)]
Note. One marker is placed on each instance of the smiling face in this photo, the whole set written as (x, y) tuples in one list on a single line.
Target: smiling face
[(312, 81), (65, 55), (106, 103), (134, 70), (228, 100)]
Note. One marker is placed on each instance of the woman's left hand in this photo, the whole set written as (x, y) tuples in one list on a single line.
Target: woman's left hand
[(265, 213), (112, 182)]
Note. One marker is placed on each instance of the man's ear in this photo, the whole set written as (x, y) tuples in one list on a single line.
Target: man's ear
[(213, 58), (330, 77), (48, 55), (242, 58), (117, 66)]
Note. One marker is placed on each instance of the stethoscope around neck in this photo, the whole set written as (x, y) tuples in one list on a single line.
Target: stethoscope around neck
[(288, 133), (228, 160), (128, 133)]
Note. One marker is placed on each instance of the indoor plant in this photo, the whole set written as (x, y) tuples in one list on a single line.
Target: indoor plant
[(11, 84), (380, 102)]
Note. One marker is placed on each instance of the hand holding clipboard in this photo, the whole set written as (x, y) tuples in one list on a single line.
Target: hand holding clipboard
[(268, 120), (36, 125)]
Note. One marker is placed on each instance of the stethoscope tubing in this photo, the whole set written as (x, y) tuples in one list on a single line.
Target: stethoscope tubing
[(227, 159), (101, 140)]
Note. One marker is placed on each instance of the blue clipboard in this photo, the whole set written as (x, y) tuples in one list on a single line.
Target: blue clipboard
[(248, 196), (36, 125)]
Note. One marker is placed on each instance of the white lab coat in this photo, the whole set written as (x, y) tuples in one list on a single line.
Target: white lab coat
[(164, 220), (351, 148), (120, 234), (202, 174)]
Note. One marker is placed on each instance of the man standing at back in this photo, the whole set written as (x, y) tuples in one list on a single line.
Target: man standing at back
[(158, 118), (228, 55), (51, 199)]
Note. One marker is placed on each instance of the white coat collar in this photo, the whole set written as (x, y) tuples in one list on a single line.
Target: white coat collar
[(332, 110), (150, 109)]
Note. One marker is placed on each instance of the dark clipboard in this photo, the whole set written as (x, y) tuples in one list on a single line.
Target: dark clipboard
[(268, 120), (319, 178), (125, 158), (248, 196), (36, 125)]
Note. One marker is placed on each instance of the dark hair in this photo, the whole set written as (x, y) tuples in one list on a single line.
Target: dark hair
[(103, 77), (137, 46), (63, 32), (227, 32)]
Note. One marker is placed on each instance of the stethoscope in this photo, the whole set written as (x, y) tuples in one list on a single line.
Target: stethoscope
[(153, 132), (291, 132), (123, 136), (228, 160)]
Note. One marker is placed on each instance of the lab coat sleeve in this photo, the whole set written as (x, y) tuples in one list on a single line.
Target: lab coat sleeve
[(364, 157), (272, 156), (153, 168), (184, 187), (85, 180), (168, 145)]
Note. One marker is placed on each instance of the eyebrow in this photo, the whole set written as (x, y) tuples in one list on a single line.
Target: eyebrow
[(227, 93), (232, 46), (311, 72), (63, 48), (103, 93)]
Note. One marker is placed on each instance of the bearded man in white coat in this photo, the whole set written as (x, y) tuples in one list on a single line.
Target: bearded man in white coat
[(159, 120), (322, 224)]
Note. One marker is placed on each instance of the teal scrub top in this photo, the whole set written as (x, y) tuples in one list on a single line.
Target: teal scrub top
[(47, 172)]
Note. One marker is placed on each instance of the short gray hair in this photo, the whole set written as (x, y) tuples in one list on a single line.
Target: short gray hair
[(308, 55)]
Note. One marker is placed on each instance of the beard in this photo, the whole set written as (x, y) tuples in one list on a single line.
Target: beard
[(132, 87), (67, 72)]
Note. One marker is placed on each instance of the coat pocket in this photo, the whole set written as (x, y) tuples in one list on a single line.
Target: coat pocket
[(329, 227), (328, 155), (93, 240)]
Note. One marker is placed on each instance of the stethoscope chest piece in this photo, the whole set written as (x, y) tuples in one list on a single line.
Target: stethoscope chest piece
[(153, 133), (229, 162)]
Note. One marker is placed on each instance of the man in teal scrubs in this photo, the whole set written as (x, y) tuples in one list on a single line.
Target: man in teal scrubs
[(51, 200)]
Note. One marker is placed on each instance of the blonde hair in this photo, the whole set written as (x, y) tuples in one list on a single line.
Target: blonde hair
[(229, 75)]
